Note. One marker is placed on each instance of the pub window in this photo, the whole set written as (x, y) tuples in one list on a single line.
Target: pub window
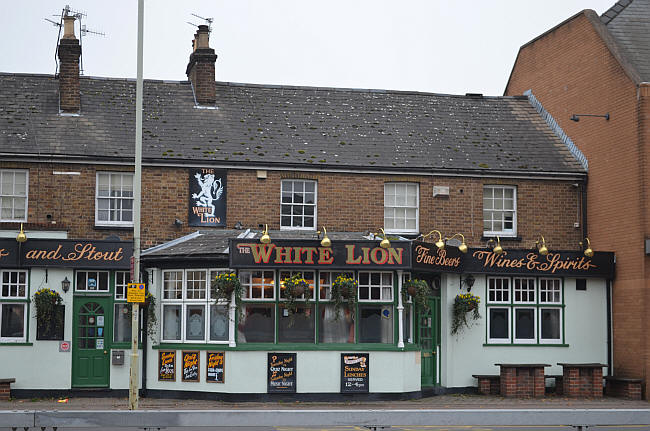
[(13, 195), (401, 207), (299, 327), (188, 312), (298, 204), (13, 306), (531, 313), (499, 210), (333, 328), (257, 323), (121, 310), (376, 307), (114, 199), (92, 281)]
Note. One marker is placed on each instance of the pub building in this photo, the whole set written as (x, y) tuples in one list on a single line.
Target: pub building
[(379, 186)]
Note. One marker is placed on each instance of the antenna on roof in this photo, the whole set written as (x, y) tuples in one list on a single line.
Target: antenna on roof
[(208, 21), (78, 15)]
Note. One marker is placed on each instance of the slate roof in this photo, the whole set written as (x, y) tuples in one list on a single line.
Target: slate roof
[(629, 23), (276, 126), (215, 242)]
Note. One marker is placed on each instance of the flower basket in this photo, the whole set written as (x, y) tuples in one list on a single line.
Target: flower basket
[(419, 291), (49, 313), (344, 294), (294, 288), (464, 303), (223, 287)]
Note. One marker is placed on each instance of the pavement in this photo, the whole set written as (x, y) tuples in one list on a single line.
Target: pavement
[(438, 402)]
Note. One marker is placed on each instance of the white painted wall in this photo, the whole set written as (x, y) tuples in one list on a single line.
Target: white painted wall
[(585, 323)]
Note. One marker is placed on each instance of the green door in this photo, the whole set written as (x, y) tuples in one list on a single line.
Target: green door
[(429, 339), (90, 342)]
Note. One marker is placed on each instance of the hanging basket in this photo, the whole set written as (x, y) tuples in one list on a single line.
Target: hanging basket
[(412, 290)]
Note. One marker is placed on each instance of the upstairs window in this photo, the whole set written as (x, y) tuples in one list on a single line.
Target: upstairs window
[(13, 195), (114, 199), (499, 211), (401, 207), (298, 207)]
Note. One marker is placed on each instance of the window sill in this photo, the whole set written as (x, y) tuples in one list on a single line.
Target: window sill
[(113, 227), (270, 347), (8, 343), (501, 238), (524, 345)]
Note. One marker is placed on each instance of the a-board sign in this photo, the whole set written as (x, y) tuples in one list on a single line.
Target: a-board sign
[(190, 366), (355, 372), (135, 292), (216, 365), (281, 373), (167, 365)]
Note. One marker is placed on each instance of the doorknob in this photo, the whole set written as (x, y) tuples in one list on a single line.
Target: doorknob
[(105, 352)]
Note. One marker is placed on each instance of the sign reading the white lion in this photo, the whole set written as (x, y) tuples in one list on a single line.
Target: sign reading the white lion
[(207, 197)]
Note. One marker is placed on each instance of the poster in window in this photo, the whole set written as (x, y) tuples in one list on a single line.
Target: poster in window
[(190, 366), (281, 373), (167, 365), (354, 372), (216, 365), (207, 197)]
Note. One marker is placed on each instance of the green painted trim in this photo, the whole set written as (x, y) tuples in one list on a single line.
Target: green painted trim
[(268, 347), (16, 344), (525, 345)]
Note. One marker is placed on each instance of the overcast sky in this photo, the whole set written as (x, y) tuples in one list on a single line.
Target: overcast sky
[(437, 46)]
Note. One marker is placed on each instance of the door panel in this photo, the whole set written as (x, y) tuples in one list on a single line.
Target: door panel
[(90, 344)]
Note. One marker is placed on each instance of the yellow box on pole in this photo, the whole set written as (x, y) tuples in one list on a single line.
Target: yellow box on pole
[(135, 292)]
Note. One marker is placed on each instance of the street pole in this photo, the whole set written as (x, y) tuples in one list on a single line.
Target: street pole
[(137, 197)]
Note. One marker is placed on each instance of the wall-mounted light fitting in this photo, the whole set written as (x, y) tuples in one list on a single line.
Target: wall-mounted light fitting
[(178, 223), (541, 246), (463, 246), (325, 242), (239, 226), (265, 238), (385, 243), (440, 243), (21, 235), (587, 251), (497, 249), (65, 285), (576, 117)]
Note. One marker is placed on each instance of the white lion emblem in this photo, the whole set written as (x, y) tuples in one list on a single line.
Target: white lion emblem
[(211, 190)]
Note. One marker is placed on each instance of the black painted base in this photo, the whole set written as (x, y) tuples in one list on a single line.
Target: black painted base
[(227, 397)]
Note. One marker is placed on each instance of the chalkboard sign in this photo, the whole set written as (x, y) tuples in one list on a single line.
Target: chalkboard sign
[(216, 364), (167, 365), (190, 366), (354, 372), (281, 372)]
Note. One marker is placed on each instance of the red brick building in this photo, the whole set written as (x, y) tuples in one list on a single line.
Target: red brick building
[(221, 161), (600, 65)]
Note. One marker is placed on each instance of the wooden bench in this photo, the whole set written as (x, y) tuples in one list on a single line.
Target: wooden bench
[(623, 387), (488, 384), (558, 382), (5, 389)]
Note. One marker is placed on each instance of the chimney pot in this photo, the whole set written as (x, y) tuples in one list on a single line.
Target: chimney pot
[(68, 27), (203, 37)]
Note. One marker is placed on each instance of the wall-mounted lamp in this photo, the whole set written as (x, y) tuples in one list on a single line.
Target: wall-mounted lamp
[(239, 226), (576, 117), (266, 238), (541, 246), (468, 281), (497, 249), (178, 223), (21, 235), (463, 246), (588, 251), (440, 243), (385, 243), (325, 242), (65, 284)]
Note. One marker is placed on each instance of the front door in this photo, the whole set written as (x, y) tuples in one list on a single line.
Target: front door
[(429, 339), (91, 339)]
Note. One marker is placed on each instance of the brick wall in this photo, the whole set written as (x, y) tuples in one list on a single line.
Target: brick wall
[(344, 203), (571, 71)]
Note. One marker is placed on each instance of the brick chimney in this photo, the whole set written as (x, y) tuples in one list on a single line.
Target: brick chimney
[(69, 52), (200, 69)]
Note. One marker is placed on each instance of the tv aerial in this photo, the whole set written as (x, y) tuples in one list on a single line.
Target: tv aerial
[(208, 21), (83, 31)]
